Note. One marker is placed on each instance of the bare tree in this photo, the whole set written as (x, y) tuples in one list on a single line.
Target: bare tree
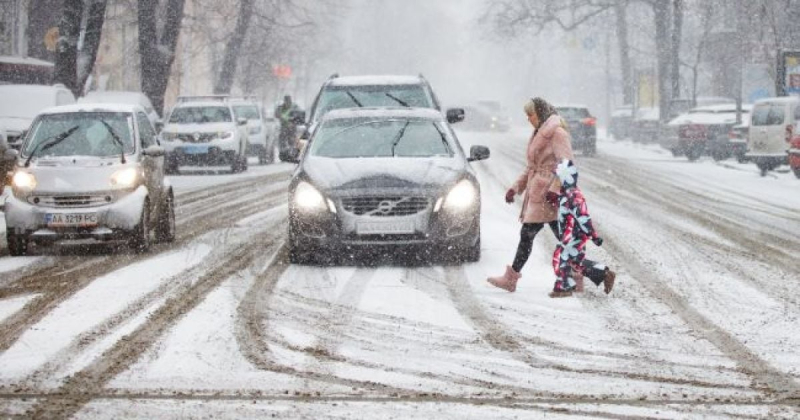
[(75, 59), (157, 51), (233, 47)]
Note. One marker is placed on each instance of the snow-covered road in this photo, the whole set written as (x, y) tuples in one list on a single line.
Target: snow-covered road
[(704, 319)]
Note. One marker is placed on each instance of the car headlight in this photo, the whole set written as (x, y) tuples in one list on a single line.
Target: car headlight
[(125, 178), (24, 181), (224, 135), (461, 197), (308, 198), (169, 136), (254, 130)]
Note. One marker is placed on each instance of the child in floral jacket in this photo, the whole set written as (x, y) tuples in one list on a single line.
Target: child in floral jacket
[(574, 230)]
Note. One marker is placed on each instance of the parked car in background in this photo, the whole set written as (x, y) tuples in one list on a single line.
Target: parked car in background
[(646, 125), (261, 142), (204, 131), (738, 139), (706, 130), (393, 177), (21, 103), (90, 172), (124, 97), (479, 118), (621, 120), (499, 119), (582, 127), (773, 126)]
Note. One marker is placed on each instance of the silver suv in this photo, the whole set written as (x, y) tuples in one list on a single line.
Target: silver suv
[(90, 172)]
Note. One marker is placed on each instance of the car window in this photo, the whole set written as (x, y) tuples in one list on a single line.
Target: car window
[(767, 114), (200, 115), (146, 132), (352, 138), (249, 112), (90, 134), (335, 97), (573, 113)]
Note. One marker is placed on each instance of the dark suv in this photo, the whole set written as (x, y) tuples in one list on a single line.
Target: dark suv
[(376, 91), (582, 127)]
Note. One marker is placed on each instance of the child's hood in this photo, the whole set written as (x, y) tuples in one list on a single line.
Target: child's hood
[(567, 173)]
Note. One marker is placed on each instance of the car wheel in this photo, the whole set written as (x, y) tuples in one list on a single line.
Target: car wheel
[(763, 167), (140, 237), (796, 172), (17, 244), (262, 155), (676, 152), (719, 155), (694, 152), (165, 231)]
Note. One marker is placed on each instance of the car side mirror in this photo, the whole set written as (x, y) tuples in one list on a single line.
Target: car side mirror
[(153, 151), (10, 154), (241, 121), (478, 153), (455, 115)]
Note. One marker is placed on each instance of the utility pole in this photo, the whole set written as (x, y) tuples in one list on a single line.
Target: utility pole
[(740, 60)]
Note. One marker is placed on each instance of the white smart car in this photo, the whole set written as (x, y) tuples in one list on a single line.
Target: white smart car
[(90, 172)]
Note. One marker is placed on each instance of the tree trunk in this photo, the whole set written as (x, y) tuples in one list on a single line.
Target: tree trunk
[(157, 53), (91, 41), (661, 9), (675, 53), (228, 71), (624, 51), (69, 29)]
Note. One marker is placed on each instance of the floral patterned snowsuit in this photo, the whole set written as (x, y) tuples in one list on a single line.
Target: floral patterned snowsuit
[(574, 229)]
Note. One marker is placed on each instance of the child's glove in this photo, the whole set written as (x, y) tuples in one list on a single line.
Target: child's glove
[(552, 198), (598, 241), (510, 195)]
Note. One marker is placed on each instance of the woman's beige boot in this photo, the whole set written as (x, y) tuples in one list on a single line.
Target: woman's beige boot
[(507, 281)]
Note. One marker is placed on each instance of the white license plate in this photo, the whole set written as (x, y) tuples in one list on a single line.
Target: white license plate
[(195, 150), (70, 219), (384, 228)]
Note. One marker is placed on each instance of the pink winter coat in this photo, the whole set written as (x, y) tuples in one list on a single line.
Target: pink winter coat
[(546, 148)]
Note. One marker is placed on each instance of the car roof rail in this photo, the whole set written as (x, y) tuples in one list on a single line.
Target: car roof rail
[(196, 98)]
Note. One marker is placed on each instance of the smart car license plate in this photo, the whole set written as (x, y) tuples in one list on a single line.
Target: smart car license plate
[(70, 220), (195, 150), (384, 228)]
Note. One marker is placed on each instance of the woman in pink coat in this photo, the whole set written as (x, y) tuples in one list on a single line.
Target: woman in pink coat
[(549, 144)]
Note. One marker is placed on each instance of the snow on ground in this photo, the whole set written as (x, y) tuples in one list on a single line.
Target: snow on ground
[(195, 177), (700, 322), (10, 306)]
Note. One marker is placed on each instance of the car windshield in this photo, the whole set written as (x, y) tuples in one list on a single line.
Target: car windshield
[(91, 137), (573, 113), (351, 138), (249, 112), (767, 114), (200, 115), (335, 97)]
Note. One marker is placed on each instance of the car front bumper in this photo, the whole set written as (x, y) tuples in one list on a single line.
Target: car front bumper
[(114, 220)]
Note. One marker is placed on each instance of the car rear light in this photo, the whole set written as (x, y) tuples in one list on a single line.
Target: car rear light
[(732, 135), (789, 133), (591, 121)]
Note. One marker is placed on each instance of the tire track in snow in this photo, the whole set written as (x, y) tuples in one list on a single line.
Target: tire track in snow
[(61, 285), (81, 388)]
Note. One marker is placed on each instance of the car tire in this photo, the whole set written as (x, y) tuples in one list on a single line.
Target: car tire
[(17, 244), (676, 152), (165, 230), (694, 152), (763, 168), (262, 155), (796, 172), (140, 236)]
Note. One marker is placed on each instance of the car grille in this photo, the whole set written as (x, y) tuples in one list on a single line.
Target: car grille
[(14, 141), (385, 206), (197, 137), (70, 201)]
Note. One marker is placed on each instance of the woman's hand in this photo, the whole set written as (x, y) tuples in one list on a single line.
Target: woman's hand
[(510, 195)]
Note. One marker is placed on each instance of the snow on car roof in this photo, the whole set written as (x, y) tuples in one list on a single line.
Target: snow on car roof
[(9, 59), (201, 104), (375, 80), (719, 108), (112, 96), (780, 100), (425, 113), (93, 107)]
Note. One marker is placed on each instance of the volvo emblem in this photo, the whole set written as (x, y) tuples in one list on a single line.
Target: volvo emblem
[(384, 207)]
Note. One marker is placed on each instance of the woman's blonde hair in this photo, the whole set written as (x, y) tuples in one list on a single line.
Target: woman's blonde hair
[(541, 108)]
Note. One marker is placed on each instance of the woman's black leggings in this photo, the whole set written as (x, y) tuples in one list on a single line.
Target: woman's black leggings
[(596, 272), (526, 236)]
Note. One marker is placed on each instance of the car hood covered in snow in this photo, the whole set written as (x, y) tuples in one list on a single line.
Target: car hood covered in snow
[(74, 174), (199, 128), (381, 173)]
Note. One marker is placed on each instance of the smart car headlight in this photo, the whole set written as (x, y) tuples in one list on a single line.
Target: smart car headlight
[(125, 178), (24, 181), (461, 197), (308, 198)]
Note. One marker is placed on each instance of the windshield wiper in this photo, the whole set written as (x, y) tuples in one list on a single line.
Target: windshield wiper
[(399, 136), (444, 138), (353, 97), (46, 144), (398, 100), (116, 139)]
